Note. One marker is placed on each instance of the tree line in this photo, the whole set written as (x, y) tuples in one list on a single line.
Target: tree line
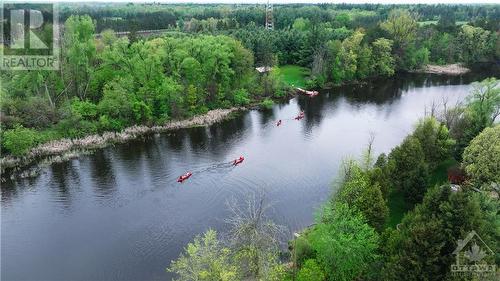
[(112, 83), (207, 61)]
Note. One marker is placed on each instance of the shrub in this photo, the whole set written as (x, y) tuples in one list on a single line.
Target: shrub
[(303, 250), (19, 140), (241, 97), (110, 124), (74, 127), (84, 109), (311, 271), (267, 104)]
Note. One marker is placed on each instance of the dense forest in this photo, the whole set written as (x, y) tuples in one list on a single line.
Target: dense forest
[(206, 60)]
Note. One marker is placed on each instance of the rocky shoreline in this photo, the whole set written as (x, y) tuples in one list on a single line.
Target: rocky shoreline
[(66, 149), (448, 69)]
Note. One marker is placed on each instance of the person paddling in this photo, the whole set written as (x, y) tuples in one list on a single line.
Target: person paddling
[(300, 116), (184, 177), (279, 123), (238, 161)]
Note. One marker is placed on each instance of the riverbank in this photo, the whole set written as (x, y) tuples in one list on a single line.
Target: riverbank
[(448, 69), (66, 149)]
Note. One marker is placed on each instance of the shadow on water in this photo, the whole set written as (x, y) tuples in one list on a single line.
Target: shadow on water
[(101, 170)]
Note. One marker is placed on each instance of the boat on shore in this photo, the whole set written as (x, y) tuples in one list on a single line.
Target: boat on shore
[(308, 93)]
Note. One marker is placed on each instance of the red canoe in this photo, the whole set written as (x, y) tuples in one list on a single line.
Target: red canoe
[(238, 161), (300, 116), (184, 177)]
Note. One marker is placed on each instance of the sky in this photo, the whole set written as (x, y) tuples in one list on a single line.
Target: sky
[(282, 1)]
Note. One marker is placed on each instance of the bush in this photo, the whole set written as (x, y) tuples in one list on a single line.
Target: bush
[(19, 140), (74, 127), (267, 104), (84, 109), (110, 124), (311, 271), (241, 97), (303, 250)]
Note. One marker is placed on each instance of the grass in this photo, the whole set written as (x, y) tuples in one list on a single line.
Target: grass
[(294, 75), (397, 203), (440, 174)]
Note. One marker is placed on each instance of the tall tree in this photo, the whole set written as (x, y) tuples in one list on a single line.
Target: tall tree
[(481, 159), (345, 245), (79, 52), (357, 191), (474, 42), (409, 172), (401, 26)]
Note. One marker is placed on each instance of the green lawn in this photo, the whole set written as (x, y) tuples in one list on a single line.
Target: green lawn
[(294, 75), (396, 201), (440, 174)]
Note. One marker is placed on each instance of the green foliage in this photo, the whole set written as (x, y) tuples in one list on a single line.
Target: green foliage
[(19, 140), (483, 105), (414, 58), (79, 52), (474, 43), (311, 271), (267, 103), (435, 141), (480, 111), (83, 109), (205, 259), (358, 192), (482, 157), (401, 26), (302, 250), (382, 59), (409, 171), (345, 245), (116, 106), (301, 24), (75, 127), (241, 97), (421, 248)]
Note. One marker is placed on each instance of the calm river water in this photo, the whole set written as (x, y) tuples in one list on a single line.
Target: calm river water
[(119, 214)]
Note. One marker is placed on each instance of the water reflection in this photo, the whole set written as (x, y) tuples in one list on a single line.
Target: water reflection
[(102, 174)]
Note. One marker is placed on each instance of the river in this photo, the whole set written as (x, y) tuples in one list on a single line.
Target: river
[(119, 214)]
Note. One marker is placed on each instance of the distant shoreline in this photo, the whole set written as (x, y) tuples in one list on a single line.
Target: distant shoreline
[(65, 149), (448, 69)]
